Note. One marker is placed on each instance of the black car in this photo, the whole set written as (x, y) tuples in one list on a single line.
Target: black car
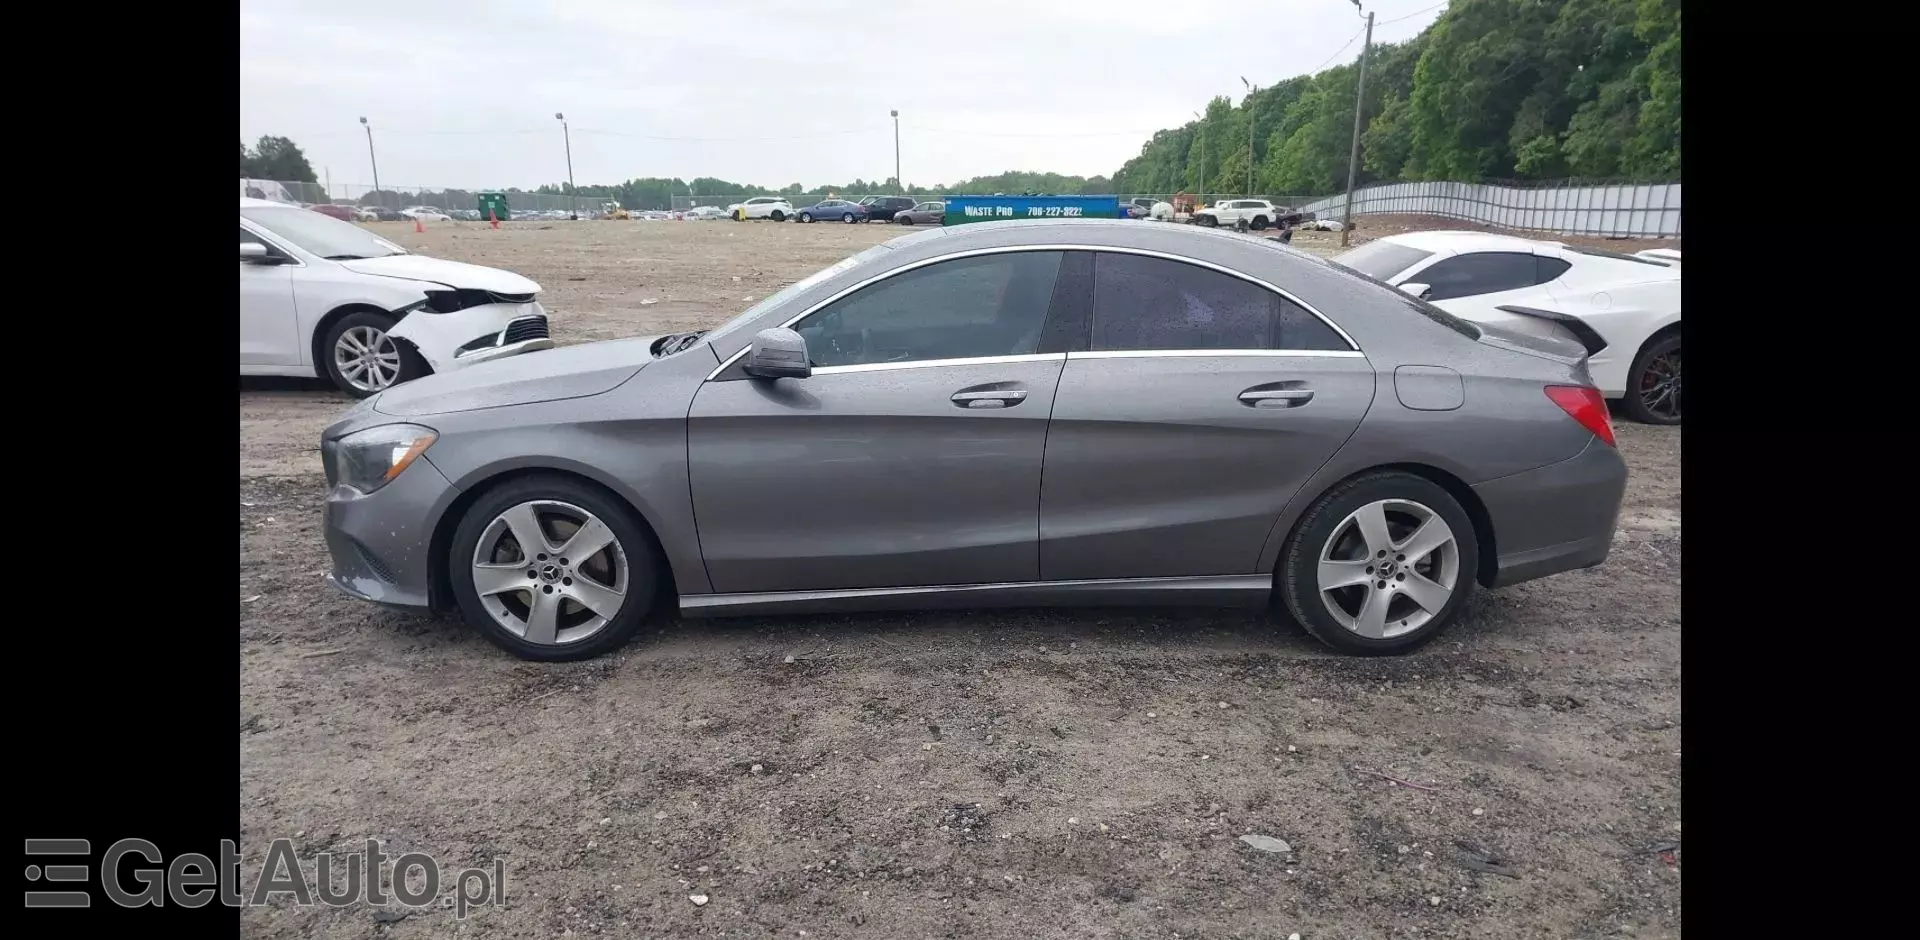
[(389, 215), (882, 208)]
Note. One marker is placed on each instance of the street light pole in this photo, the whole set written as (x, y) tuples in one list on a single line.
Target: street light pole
[(372, 160), (1203, 157), (1353, 155), (897, 179), (573, 192), (1250, 91)]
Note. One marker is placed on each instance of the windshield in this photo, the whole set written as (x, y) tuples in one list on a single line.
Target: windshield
[(786, 293), (1381, 260), (319, 235)]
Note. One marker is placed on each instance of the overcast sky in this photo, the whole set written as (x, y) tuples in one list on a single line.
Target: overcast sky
[(462, 93)]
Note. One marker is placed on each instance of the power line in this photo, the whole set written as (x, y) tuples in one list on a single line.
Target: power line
[(937, 130), (1413, 14), (1336, 53)]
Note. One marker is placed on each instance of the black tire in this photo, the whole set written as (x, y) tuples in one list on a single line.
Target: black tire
[(412, 366), (1259, 223), (903, 219), (1297, 576), (806, 216), (778, 216), (1209, 221), (643, 564), (848, 218), (1644, 379)]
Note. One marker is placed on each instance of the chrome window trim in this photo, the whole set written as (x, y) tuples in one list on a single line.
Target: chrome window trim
[(1208, 353), (935, 363), (1011, 249)]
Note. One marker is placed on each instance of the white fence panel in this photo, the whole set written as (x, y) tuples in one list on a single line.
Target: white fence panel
[(1646, 210)]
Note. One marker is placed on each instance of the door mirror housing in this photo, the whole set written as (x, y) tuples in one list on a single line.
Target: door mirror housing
[(778, 353), (1418, 290), (256, 253)]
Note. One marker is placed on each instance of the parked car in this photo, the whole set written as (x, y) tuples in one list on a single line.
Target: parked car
[(926, 213), (875, 436), (1257, 213), (831, 209), (343, 213), (1625, 308), (699, 213), (384, 214), (365, 214), (761, 207), (426, 214), (321, 297), (882, 208)]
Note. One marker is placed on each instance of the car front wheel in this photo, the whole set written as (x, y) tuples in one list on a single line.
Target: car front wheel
[(1379, 565), (362, 358), (551, 568), (778, 216), (806, 216), (1653, 386), (1209, 221)]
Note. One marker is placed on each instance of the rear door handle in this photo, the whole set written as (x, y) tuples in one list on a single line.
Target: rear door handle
[(996, 398), (1276, 397)]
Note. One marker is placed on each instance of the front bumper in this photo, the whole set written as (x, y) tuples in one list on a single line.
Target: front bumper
[(475, 334), (380, 542), (1556, 518)]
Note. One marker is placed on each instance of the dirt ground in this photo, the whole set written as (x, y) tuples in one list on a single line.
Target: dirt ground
[(1024, 774)]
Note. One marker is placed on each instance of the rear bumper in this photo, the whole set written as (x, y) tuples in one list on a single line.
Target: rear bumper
[(1557, 518)]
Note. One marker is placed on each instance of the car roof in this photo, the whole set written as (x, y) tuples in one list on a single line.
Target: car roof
[(1458, 241)]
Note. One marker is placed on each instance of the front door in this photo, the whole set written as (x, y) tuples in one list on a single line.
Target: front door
[(1201, 407), (911, 457), (269, 324)]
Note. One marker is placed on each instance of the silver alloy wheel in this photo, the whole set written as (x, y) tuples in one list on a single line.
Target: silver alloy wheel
[(1388, 568), (367, 358), (550, 572)]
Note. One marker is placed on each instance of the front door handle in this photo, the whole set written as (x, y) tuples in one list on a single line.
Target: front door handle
[(994, 398), (1276, 397)]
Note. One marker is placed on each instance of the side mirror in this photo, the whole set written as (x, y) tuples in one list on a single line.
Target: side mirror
[(1416, 289), (253, 251), (778, 353)]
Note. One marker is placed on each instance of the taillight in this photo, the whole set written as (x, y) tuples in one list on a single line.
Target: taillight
[(1585, 405)]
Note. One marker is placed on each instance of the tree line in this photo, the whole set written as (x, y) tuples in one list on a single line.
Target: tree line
[(1493, 90)]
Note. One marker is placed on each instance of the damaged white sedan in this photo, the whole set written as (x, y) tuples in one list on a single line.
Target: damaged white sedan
[(326, 298)]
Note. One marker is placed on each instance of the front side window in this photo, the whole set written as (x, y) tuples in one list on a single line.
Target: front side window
[(1486, 272), (1143, 303), (992, 305)]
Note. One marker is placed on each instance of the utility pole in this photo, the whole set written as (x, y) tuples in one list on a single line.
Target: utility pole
[(1203, 158), (372, 160), (898, 180), (573, 192), (1359, 108), (1250, 91)]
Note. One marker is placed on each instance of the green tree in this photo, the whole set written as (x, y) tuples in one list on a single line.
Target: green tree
[(276, 158)]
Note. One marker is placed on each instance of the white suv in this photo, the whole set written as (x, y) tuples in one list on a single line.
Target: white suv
[(1258, 213), (761, 207)]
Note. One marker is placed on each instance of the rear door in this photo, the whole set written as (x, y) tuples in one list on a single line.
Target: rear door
[(1197, 405), (911, 456)]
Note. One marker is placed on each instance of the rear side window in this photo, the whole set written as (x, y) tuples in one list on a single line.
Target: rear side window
[(1486, 272), (1142, 303), (1549, 268)]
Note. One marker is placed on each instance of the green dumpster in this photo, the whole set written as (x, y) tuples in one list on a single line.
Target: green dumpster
[(494, 206)]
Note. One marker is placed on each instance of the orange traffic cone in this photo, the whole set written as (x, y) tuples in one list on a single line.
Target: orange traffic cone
[(492, 220), (419, 226)]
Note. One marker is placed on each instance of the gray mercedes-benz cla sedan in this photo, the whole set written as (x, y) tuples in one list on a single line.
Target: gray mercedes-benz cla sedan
[(1001, 414)]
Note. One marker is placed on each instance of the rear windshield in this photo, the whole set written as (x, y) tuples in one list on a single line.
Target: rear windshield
[(1381, 260)]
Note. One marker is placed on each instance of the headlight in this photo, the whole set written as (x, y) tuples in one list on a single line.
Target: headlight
[(369, 459)]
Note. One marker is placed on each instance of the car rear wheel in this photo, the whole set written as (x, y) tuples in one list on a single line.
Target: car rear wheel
[(1259, 223), (1379, 565), (1653, 387), (553, 569), (362, 358), (778, 216), (848, 218)]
